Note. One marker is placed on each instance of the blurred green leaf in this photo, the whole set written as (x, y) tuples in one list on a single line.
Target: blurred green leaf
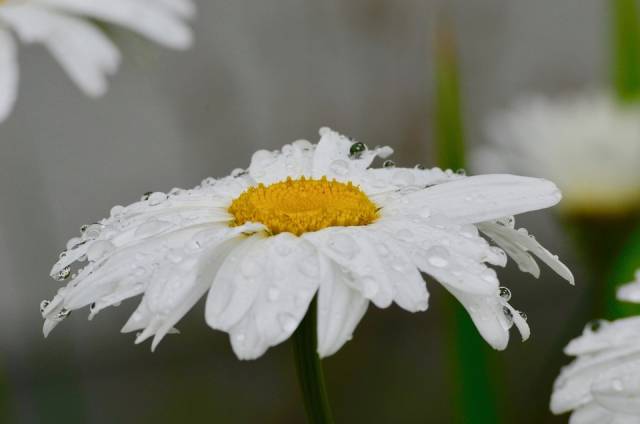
[(472, 361), (623, 272), (626, 50)]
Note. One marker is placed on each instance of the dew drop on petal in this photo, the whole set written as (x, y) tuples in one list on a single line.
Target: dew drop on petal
[(523, 315), (504, 293), (43, 305), (98, 249), (438, 256), (273, 294), (388, 164), (356, 150), (63, 274), (288, 322)]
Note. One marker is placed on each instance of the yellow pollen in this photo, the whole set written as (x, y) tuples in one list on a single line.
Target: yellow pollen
[(304, 205)]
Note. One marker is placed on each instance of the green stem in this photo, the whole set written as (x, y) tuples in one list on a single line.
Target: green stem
[(626, 50), (309, 368)]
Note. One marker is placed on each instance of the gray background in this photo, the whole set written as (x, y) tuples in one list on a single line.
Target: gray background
[(263, 73)]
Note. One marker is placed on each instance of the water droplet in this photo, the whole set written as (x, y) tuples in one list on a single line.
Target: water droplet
[(617, 385), (388, 164), (420, 167), (64, 313), (461, 171), (288, 322), (238, 172), (146, 196), (595, 325), (273, 294), (504, 293), (117, 210), (157, 198), (437, 256), (507, 313), (43, 305), (63, 274), (356, 150), (425, 213), (250, 268), (523, 315), (98, 249), (339, 167)]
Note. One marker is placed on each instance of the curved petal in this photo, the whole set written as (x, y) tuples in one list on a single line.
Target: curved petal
[(82, 50), (340, 309), (262, 292), (294, 160), (481, 198), (517, 243), (332, 158), (151, 19)]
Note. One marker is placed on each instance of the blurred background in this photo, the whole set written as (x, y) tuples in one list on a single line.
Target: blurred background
[(262, 74)]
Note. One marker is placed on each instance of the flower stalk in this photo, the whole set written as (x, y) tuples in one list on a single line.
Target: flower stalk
[(309, 369), (626, 50)]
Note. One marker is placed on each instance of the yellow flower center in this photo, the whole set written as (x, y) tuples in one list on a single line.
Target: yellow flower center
[(304, 205)]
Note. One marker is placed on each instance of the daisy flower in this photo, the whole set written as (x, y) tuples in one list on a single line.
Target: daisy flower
[(307, 220), (603, 384), (587, 144), (69, 30)]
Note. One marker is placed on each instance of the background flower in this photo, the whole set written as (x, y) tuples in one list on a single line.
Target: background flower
[(70, 31), (587, 143), (603, 384)]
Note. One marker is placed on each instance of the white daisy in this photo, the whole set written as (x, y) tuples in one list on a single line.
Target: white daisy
[(306, 220), (631, 292), (602, 386), (68, 30), (587, 144)]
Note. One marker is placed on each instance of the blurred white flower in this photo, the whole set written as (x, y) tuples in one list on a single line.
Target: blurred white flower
[(304, 220), (586, 144), (603, 384), (631, 292), (67, 28)]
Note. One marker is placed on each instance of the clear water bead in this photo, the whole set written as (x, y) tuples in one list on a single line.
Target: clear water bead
[(388, 164), (505, 293), (63, 274), (356, 150)]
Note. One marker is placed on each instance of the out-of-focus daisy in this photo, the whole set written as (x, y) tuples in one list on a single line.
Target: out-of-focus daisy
[(631, 292), (603, 384), (587, 144), (306, 220), (67, 28)]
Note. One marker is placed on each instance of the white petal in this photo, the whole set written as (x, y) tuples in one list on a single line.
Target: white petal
[(631, 292), (332, 160), (481, 198), (294, 160), (591, 414), (83, 51), (262, 292), (619, 390), (374, 266), (340, 309), (517, 243), (8, 74), (153, 20)]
